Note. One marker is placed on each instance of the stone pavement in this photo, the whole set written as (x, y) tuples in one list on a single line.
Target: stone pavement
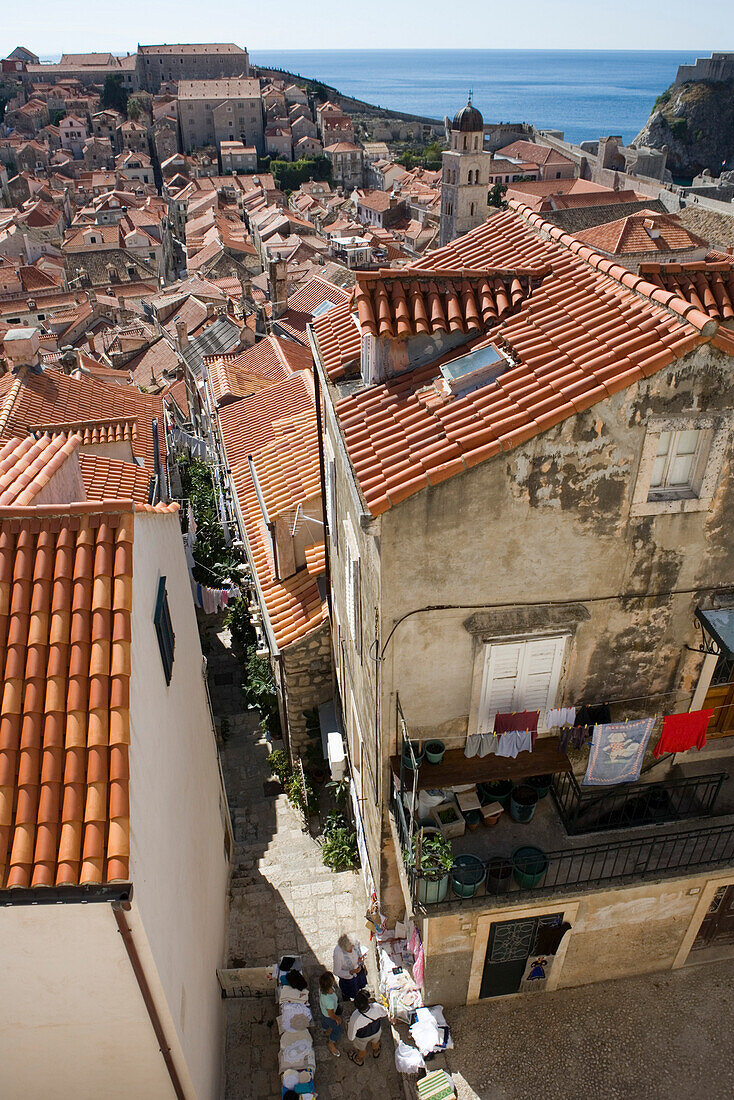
[(656, 1037), (282, 899)]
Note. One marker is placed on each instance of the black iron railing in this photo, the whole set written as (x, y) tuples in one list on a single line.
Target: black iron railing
[(626, 861), (634, 804)]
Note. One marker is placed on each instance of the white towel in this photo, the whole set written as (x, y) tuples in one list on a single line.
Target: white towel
[(560, 716)]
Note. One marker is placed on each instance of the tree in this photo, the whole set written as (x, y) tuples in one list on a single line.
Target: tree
[(291, 174), (496, 196), (114, 96)]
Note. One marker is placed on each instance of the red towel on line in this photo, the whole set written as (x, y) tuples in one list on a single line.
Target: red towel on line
[(520, 720), (682, 732)]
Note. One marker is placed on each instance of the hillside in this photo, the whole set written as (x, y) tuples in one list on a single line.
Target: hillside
[(696, 121)]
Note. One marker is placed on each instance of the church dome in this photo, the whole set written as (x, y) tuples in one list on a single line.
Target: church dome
[(468, 120)]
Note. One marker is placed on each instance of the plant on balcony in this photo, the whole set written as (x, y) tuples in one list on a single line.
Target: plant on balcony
[(339, 846), (436, 858)]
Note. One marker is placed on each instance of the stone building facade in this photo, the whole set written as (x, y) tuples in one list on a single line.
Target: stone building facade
[(562, 546), (308, 682), (190, 61), (465, 178), (212, 111)]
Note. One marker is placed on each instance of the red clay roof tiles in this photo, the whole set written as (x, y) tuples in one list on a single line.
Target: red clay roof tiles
[(65, 608), (589, 329), (268, 361), (27, 465)]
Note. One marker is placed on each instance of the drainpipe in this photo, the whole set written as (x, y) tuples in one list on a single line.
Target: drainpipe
[(119, 908)]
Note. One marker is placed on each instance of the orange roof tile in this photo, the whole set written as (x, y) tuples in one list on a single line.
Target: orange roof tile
[(277, 427), (270, 360), (644, 231), (110, 479), (589, 329), (53, 398), (65, 633), (404, 304), (707, 285), (27, 465)]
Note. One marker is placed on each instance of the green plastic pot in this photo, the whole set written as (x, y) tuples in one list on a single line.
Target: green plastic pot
[(499, 875), (432, 891), (497, 791), (529, 866), (523, 801), (434, 751), (417, 753), (467, 875), (541, 783)]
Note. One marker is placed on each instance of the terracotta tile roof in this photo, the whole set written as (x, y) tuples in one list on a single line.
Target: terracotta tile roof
[(110, 479), (52, 400), (530, 152), (590, 329), (277, 427), (270, 360), (65, 634), (27, 465), (644, 231), (391, 303), (316, 559), (707, 285), (339, 340)]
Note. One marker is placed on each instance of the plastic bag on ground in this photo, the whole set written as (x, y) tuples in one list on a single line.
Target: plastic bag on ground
[(408, 1059)]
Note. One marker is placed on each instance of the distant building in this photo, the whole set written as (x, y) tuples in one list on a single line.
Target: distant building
[(190, 61), (465, 179), (212, 111), (237, 157), (74, 133), (347, 163)]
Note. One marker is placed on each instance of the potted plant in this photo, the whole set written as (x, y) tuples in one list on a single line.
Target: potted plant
[(449, 819), (541, 783), (431, 859), (434, 751), (498, 790)]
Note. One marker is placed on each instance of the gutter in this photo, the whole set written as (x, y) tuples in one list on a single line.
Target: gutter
[(119, 908)]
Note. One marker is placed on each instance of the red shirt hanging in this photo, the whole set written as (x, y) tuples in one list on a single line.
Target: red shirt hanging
[(682, 732)]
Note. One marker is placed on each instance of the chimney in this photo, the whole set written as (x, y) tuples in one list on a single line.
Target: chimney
[(90, 341), (183, 336), (210, 311), (21, 347), (278, 286)]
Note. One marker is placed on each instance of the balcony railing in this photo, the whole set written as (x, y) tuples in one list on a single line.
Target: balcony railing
[(624, 861), (634, 804)]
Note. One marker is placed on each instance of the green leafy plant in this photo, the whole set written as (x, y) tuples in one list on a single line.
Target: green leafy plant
[(340, 790), (280, 765), (335, 819), (496, 196), (436, 858), (679, 128), (339, 849), (294, 788), (213, 559)]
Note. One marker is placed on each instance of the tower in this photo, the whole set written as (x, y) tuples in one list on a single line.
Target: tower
[(465, 176)]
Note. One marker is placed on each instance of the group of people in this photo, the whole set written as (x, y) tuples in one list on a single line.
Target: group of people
[(347, 983)]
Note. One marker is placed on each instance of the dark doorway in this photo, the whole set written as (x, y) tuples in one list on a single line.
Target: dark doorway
[(717, 927), (511, 943)]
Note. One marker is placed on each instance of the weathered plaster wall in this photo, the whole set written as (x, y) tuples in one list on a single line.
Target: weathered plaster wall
[(551, 521), (614, 933)]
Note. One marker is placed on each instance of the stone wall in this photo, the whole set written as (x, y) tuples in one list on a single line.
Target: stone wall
[(308, 681), (720, 66)]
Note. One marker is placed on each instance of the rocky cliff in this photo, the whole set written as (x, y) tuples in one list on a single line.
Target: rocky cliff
[(696, 121)]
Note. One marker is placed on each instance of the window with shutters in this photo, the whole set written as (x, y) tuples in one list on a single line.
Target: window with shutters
[(680, 464), (519, 676), (353, 592), (164, 629)]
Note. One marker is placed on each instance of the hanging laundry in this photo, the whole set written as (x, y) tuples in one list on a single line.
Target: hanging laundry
[(682, 732), (514, 742), (617, 751), (560, 716), (520, 720), (596, 715), (480, 744)]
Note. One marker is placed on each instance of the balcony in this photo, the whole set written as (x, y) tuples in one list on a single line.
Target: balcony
[(576, 840)]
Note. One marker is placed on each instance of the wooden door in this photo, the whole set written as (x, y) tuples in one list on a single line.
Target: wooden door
[(717, 927), (720, 695)]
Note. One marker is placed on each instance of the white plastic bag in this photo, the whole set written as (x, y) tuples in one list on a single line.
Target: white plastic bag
[(408, 1059)]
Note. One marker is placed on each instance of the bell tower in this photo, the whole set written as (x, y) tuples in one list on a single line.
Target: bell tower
[(465, 175)]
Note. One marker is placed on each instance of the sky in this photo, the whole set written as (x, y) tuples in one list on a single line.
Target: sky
[(54, 26)]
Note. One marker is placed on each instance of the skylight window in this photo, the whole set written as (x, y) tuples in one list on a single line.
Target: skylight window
[(323, 308), (476, 368)]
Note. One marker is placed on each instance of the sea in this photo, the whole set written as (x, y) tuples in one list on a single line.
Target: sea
[(584, 93)]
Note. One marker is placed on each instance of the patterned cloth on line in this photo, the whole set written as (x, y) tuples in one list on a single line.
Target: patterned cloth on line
[(617, 751)]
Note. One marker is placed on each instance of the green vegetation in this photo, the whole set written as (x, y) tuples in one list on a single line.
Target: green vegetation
[(289, 175), (214, 560), (496, 196), (280, 765), (436, 857), (339, 847), (114, 97), (662, 100), (679, 128), (422, 156)]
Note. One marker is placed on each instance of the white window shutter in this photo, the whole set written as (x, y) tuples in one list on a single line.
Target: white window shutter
[(520, 676), (501, 669), (357, 604)]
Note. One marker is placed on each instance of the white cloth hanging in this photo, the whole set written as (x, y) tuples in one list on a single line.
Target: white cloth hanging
[(560, 716)]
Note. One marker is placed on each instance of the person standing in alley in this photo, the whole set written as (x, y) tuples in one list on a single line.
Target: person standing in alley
[(349, 966), (329, 1006), (365, 1026)]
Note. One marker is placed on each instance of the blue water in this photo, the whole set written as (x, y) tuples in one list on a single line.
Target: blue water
[(584, 93)]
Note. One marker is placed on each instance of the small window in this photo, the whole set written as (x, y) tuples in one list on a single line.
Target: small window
[(164, 629), (353, 587), (674, 468)]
